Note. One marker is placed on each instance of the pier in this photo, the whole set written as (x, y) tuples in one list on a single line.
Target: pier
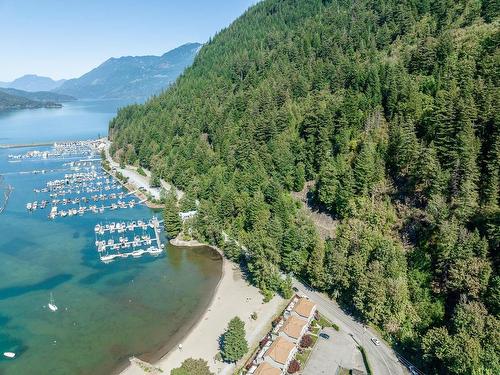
[(140, 243), (88, 148), (6, 194), (24, 145)]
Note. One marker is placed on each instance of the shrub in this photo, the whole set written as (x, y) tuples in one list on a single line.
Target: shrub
[(141, 171), (254, 316), (263, 342), (294, 366), (306, 341), (268, 295), (276, 321), (192, 367), (155, 180)]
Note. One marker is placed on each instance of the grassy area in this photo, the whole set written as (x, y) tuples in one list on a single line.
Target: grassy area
[(365, 360), (344, 371), (314, 339), (303, 357), (324, 322)]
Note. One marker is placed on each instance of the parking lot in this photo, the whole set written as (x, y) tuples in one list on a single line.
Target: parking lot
[(328, 354)]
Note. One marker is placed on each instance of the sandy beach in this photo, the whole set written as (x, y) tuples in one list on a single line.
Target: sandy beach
[(233, 297)]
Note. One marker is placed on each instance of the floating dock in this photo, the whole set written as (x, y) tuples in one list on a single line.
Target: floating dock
[(140, 242)]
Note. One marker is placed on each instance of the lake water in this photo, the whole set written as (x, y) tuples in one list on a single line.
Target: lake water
[(107, 312)]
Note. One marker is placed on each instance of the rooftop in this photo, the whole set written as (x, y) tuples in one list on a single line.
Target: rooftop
[(266, 369), (304, 307), (293, 327), (280, 350)]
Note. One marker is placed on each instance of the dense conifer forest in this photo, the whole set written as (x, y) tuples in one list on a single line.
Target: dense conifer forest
[(391, 107)]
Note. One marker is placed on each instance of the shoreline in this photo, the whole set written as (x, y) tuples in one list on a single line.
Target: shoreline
[(137, 181), (233, 296), (171, 344), (150, 360)]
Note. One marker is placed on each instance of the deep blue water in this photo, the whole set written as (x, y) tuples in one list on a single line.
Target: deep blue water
[(83, 119), (107, 312)]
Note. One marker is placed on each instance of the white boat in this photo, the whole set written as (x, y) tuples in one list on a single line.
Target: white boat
[(154, 251), (137, 253), (9, 354), (108, 258), (52, 305)]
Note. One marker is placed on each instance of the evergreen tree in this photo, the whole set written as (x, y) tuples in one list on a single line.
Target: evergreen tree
[(365, 168), (172, 221), (234, 343)]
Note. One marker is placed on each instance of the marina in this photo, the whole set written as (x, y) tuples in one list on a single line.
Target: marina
[(64, 197)]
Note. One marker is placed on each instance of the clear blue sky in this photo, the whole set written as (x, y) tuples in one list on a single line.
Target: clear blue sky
[(67, 38)]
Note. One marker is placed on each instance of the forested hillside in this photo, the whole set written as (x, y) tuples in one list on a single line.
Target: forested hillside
[(391, 107)]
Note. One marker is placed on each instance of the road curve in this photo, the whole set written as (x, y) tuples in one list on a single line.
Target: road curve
[(383, 360)]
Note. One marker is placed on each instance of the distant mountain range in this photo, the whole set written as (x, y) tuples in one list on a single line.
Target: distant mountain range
[(132, 77), (128, 77), (32, 82)]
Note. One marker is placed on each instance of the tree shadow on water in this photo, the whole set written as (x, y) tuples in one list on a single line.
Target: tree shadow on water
[(47, 284)]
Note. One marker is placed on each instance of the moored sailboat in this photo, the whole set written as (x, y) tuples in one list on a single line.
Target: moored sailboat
[(52, 305)]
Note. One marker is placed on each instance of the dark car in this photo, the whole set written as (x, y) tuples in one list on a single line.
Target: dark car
[(324, 335), (295, 289)]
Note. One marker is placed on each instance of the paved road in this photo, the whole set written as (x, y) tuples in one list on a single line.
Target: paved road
[(382, 358)]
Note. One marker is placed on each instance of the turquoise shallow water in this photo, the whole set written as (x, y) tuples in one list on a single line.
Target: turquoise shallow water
[(107, 312)]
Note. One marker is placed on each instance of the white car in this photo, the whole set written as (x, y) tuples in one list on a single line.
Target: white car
[(375, 341), (413, 370)]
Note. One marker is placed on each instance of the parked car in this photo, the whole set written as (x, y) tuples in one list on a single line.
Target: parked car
[(324, 335), (413, 370), (295, 289), (375, 341)]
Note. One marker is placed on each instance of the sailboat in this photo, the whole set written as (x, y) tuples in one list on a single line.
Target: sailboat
[(52, 304)]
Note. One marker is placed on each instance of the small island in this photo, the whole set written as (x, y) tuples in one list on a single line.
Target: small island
[(12, 99)]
